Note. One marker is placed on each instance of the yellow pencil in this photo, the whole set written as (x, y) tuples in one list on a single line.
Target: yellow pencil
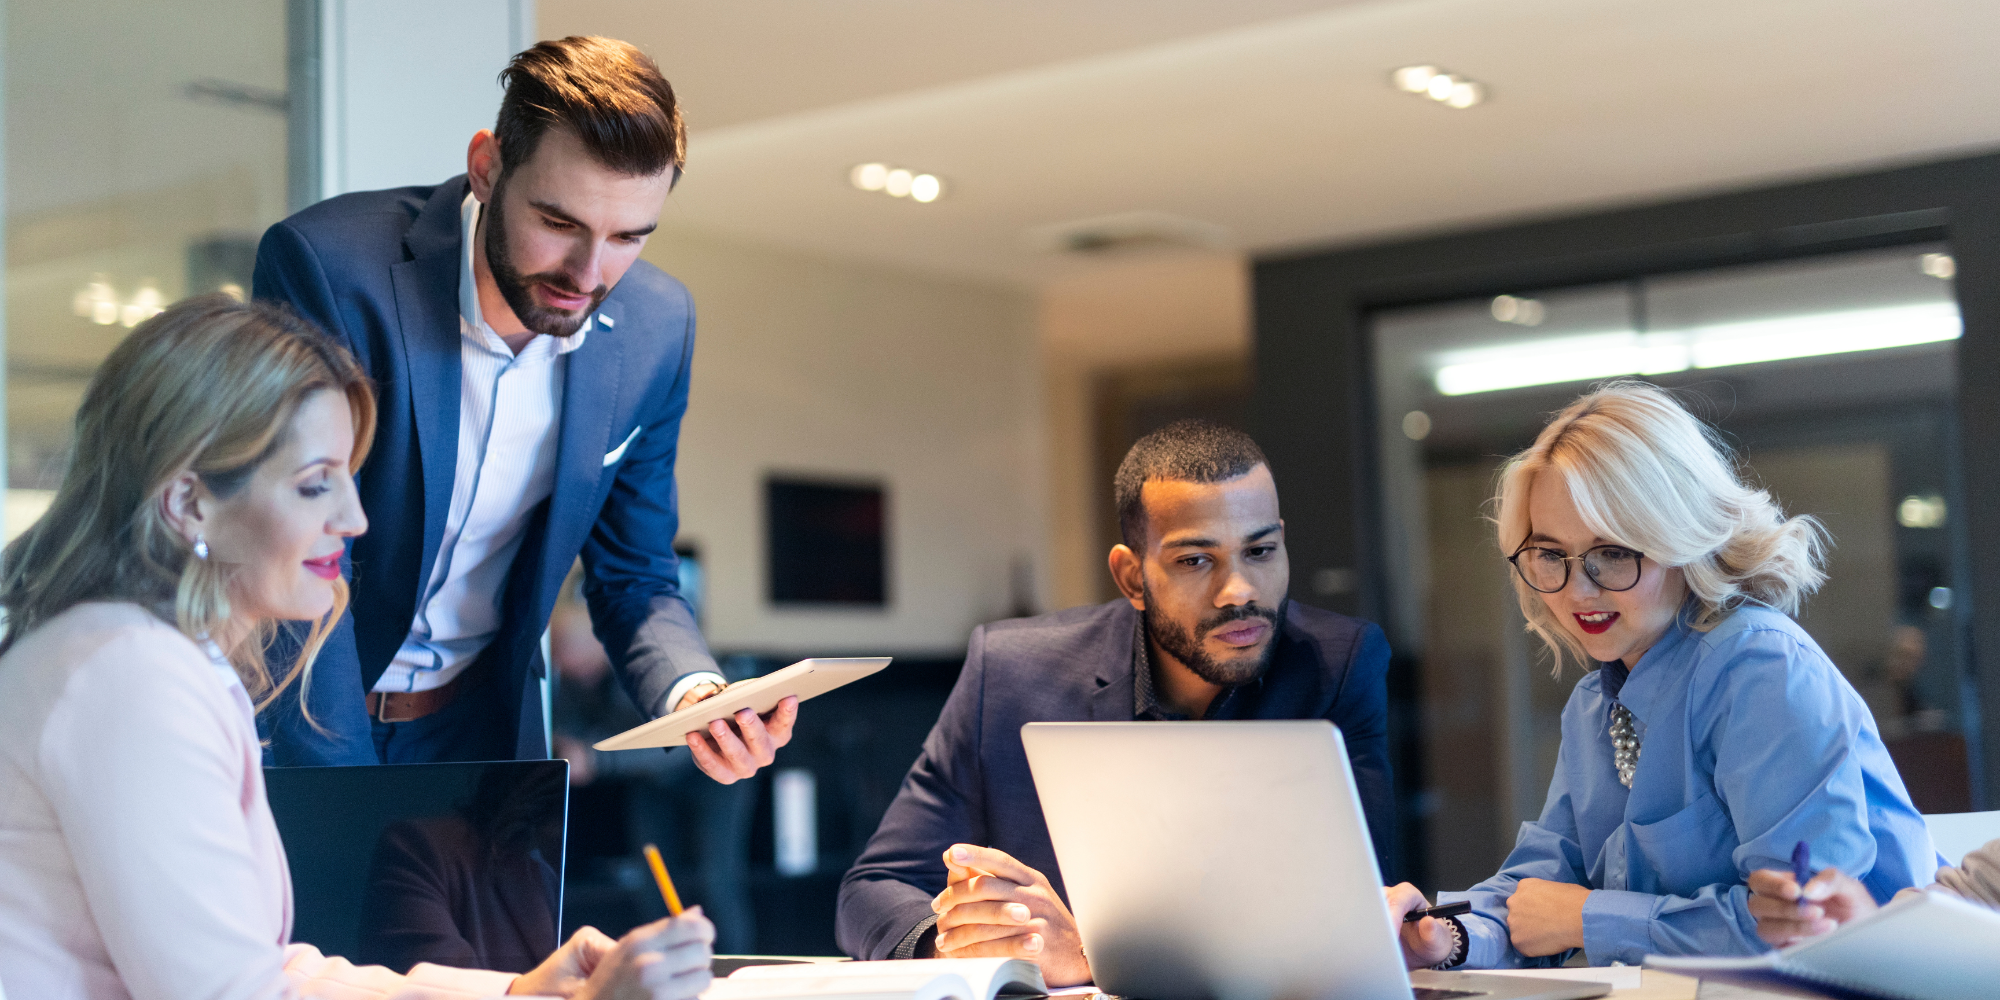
[(666, 883)]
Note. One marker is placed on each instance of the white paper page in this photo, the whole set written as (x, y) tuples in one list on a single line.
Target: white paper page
[(930, 985), (979, 974)]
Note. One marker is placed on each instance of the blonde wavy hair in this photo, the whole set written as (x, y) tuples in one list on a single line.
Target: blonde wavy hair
[(210, 387), (1646, 474)]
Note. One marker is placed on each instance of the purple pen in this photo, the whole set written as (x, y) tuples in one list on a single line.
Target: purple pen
[(1802, 869)]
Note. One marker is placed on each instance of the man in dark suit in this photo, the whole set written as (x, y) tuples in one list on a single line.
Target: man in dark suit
[(533, 373), (962, 865)]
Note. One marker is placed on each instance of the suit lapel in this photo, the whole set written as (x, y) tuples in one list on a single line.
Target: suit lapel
[(427, 308), (592, 397), (1112, 700)]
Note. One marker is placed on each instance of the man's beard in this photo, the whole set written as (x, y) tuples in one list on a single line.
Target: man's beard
[(514, 285), (1186, 646)]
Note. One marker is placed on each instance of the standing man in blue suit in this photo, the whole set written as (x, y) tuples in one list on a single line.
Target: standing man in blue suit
[(962, 866), (533, 373)]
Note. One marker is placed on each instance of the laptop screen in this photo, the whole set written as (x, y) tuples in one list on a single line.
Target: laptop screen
[(455, 864)]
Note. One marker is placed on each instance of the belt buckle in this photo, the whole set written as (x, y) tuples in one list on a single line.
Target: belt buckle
[(381, 713)]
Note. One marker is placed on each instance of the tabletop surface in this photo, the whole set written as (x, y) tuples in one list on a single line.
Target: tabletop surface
[(1657, 985)]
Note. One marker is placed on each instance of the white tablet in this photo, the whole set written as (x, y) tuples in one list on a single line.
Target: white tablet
[(806, 678)]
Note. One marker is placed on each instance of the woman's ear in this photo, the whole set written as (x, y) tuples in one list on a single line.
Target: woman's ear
[(185, 505)]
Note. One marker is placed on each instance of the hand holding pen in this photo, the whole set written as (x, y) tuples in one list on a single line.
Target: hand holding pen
[(1792, 906)]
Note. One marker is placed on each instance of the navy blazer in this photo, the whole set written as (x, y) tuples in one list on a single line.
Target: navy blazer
[(379, 271), (971, 784)]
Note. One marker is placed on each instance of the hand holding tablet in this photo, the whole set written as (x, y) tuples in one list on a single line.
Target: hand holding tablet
[(804, 679)]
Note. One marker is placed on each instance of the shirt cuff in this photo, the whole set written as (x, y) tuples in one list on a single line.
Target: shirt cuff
[(1486, 941), (1618, 926), (684, 685), (907, 948)]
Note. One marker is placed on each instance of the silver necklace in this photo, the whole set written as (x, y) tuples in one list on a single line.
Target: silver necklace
[(1624, 744)]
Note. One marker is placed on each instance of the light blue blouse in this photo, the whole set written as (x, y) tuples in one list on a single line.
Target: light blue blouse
[(1750, 741)]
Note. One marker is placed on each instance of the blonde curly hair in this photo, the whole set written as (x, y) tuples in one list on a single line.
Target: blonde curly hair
[(1646, 474)]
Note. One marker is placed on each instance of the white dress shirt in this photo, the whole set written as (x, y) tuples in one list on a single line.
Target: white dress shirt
[(509, 412), (138, 856), (509, 418)]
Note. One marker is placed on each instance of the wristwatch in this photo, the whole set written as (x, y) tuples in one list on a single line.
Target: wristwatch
[(1460, 946)]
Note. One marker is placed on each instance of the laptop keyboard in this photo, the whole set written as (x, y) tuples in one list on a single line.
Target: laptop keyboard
[(1427, 993)]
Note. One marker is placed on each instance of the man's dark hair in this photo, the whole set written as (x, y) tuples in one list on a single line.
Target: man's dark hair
[(1188, 451), (610, 94)]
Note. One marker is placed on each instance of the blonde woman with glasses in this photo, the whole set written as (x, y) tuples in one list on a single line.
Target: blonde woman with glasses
[(1711, 737), (211, 495)]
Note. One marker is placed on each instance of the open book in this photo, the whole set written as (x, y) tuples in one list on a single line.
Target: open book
[(913, 979), (1929, 946)]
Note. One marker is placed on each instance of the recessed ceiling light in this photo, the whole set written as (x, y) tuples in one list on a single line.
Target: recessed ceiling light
[(896, 182), (1517, 310), (869, 176), (1448, 89), (1413, 79)]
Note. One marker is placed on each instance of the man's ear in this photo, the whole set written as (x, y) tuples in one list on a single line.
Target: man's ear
[(482, 164), (1129, 574), (184, 503)]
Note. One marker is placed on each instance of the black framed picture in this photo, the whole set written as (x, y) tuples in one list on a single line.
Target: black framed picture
[(827, 542)]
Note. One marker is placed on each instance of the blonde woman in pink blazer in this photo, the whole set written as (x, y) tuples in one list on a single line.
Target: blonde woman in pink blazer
[(210, 496)]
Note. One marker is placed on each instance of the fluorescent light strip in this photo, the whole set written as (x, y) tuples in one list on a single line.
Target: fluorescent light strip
[(1607, 355)]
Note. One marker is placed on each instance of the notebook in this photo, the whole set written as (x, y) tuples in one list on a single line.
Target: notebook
[(917, 979), (1926, 946)]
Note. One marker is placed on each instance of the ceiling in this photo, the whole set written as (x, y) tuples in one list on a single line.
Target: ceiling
[(1274, 120)]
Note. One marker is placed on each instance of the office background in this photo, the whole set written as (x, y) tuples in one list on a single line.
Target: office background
[(1145, 210)]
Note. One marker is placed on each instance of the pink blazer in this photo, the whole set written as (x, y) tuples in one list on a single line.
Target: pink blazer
[(138, 857)]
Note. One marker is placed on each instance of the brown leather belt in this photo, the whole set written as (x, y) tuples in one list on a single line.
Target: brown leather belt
[(409, 706)]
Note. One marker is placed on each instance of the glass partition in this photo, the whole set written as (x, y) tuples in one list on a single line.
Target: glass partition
[(145, 154), (1833, 377)]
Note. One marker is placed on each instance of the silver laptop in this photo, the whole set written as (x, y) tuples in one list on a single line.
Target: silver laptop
[(1230, 861)]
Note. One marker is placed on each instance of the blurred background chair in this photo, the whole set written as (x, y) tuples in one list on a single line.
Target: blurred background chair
[(1957, 834)]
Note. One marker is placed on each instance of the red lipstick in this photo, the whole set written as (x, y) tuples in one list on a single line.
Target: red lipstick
[(326, 567), (1603, 621)]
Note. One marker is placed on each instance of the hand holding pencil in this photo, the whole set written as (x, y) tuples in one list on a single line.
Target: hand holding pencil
[(664, 960)]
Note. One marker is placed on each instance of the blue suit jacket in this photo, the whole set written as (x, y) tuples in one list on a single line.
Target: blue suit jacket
[(971, 784), (379, 271)]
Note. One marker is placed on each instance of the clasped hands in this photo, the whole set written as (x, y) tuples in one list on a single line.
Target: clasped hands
[(664, 960), (1543, 918), (996, 907)]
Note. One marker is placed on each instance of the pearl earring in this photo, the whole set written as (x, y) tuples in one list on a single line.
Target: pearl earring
[(200, 548)]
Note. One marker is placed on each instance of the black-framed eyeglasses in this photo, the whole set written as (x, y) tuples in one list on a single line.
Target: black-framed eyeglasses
[(1611, 567)]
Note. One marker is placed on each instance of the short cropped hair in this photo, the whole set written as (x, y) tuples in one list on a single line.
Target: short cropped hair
[(1645, 473), (1187, 451), (607, 92)]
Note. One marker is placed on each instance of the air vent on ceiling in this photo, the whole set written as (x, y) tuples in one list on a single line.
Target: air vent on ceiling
[(1129, 231)]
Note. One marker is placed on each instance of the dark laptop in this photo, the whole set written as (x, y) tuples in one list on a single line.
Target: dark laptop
[(455, 864)]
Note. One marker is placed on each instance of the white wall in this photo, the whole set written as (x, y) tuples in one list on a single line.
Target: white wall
[(403, 86), (811, 366), (1128, 314)]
